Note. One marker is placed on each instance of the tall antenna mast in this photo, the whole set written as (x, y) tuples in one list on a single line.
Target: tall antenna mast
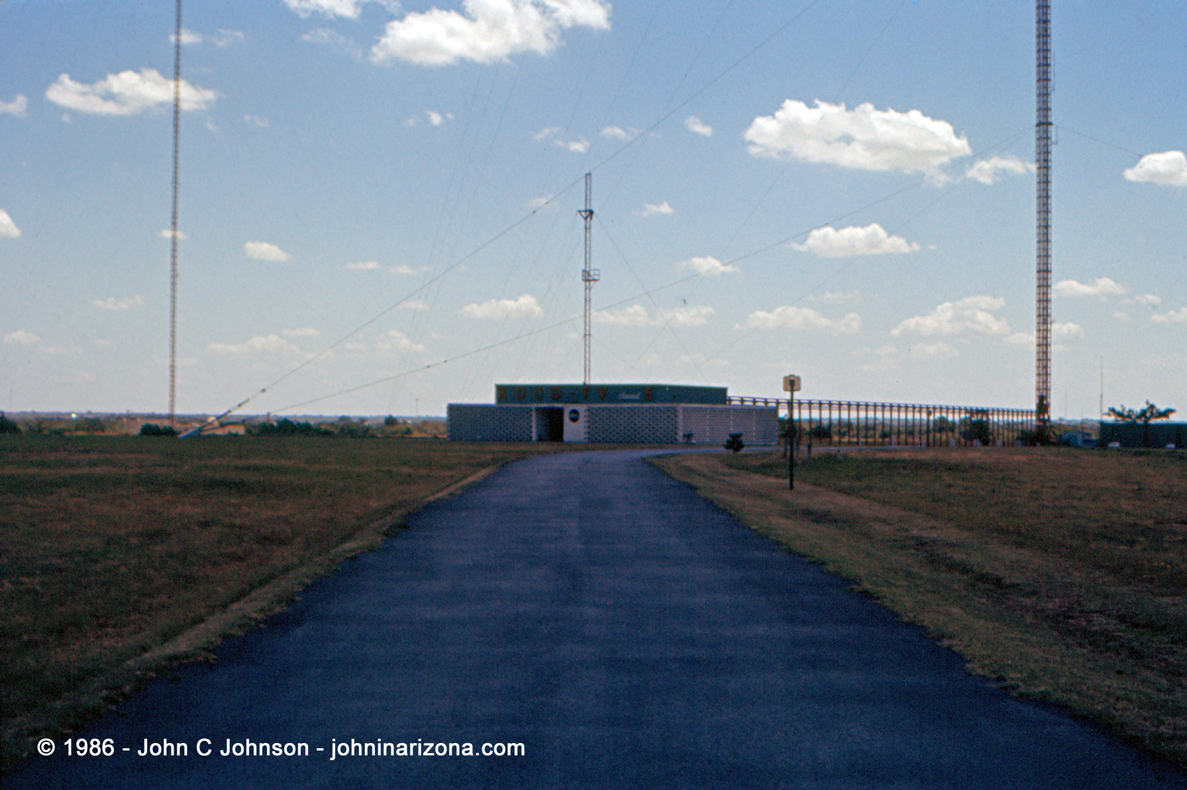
[(1043, 212), (173, 225), (588, 276)]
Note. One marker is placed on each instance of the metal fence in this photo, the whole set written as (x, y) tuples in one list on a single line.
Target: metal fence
[(839, 423)]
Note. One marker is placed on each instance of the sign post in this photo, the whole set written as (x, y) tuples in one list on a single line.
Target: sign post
[(791, 385)]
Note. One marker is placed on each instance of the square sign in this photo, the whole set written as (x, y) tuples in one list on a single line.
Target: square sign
[(791, 383)]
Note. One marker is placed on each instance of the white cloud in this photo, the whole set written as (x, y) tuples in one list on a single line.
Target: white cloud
[(256, 120), (971, 314), (792, 317), (525, 305), (395, 340), (707, 265), (126, 93), (418, 305), (1020, 339), (696, 126), (576, 146), (989, 171), (21, 338), (934, 350), (403, 268), (1066, 330), (8, 228), (1168, 168), (1101, 286), (1153, 300), (332, 38), (837, 297), (436, 118), (695, 315), (263, 251), (486, 31), (363, 266), (307, 331), (613, 133), (651, 209), (225, 38), (119, 305), (260, 344), (545, 133), (167, 233), (637, 315), (870, 240), (187, 37), (860, 139), (347, 9), (18, 106), (1171, 317), (1120, 316)]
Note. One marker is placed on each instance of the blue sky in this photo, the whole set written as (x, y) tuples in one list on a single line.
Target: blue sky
[(379, 201)]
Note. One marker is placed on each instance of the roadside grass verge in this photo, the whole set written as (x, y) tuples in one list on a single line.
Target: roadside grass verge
[(116, 546), (1059, 574)]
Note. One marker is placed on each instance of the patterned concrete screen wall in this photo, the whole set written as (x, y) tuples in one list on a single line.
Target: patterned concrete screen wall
[(642, 394), (633, 424), (712, 425), (482, 422)]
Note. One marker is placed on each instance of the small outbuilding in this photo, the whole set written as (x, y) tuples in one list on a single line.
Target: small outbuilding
[(612, 414)]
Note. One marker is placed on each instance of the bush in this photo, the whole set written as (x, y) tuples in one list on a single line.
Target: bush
[(148, 429), (734, 442), (287, 427), (7, 425)]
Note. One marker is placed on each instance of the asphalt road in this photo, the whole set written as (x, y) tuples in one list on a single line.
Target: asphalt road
[(622, 630)]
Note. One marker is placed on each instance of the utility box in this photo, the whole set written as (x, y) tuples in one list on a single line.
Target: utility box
[(576, 426)]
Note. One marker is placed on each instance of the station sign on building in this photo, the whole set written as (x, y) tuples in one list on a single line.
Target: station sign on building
[(613, 414)]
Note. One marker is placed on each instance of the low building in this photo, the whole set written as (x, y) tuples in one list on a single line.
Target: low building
[(612, 414)]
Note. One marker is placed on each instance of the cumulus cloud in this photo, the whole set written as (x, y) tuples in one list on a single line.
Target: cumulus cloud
[(187, 37), (260, 344), (971, 314), (651, 209), (332, 38), (707, 265), (637, 315), (993, 169), (256, 120), (403, 268), (21, 338), (346, 9), (1172, 317), (167, 233), (1067, 329), (263, 251), (1152, 300), (417, 305), (395, 340), (613, 133), (576, 146), (870, 240), (119, 305), (436, 118), (126, 93), (306, 331), (18, 106), (524, 306), (697, 126), (863, 138), (837, 297), (792, 317), (363, 266), (8, 228), (485, 31), (225, 38), (1101, 286), (1168, 168)]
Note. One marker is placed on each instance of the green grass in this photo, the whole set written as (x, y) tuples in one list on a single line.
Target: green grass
[(1059, 573), (114, 545)]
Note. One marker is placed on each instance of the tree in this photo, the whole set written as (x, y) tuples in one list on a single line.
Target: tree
[(1142, 416), (7, 425), (734, 442)]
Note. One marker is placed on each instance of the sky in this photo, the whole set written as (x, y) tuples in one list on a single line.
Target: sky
[(378, 201)]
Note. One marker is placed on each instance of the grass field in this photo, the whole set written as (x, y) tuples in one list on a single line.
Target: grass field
[(113, 546), (1059, 573)]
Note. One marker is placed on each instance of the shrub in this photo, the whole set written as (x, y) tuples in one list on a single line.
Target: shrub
[(7, 425), (148, 429)]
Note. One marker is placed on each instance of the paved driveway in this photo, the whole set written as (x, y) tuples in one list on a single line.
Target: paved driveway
[(624, 632)]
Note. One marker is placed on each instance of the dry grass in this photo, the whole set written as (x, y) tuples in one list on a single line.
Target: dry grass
[(113, 546), (1061, 574)]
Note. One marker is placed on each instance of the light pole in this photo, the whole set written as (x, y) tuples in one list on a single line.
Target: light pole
[(791, 385)]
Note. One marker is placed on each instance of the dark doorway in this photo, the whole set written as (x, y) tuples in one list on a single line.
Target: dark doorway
[(550, 425)]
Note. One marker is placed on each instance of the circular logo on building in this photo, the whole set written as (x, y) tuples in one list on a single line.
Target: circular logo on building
[(574, 415)]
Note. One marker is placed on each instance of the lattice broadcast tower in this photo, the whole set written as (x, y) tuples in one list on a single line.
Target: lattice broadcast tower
[(588, 276), (1043, 213)]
